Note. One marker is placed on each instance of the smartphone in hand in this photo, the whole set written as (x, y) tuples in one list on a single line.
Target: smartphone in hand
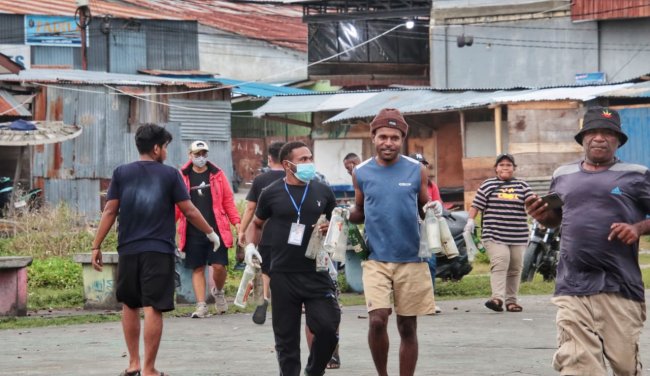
[(553, 200)]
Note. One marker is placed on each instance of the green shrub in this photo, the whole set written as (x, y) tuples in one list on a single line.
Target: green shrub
[(54, 273)]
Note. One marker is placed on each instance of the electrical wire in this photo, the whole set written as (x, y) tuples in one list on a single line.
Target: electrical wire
[(22, 104)]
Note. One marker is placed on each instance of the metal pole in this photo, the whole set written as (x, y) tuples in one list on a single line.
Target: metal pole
[(84, 55)]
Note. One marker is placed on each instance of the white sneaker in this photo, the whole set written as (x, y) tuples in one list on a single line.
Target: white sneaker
[(438, 310), (220, 303), (201, 311)]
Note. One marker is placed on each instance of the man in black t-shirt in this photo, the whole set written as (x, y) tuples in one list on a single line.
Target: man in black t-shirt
[(259, 184), (289, 209), (144, 193), (211, 192)]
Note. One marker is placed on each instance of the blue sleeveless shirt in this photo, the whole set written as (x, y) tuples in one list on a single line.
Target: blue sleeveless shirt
[(391, 208)]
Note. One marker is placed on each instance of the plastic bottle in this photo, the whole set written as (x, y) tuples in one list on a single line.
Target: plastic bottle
[(342, 245), (334, 231), (244, 288), (448, 245), (322, 261), (316, 239), (432, 225), (472, 250), (357, 242), (478, 242), (258, 283)]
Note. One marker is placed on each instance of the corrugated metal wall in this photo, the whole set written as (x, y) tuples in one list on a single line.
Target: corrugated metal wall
[(172, 45), (12, 29), (212, 127), (608, 9), (636, 124), (50, 55), (73, 169), (134, 44)]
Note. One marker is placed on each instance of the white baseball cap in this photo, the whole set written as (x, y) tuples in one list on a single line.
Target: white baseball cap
[(199, 146)]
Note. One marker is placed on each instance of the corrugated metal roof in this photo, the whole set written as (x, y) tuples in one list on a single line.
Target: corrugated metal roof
[(277, 24), (427, 101), (98, 8), (365, 104), (640, 90), (94, 77), (312, 103), (9, 106), (581, 93), (239, 87), (258, 89), (417, 101)]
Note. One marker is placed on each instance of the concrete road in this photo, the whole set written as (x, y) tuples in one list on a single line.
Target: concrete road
[(466, 339)]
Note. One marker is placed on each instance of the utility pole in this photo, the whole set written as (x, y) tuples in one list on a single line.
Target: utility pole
[(84, 17)]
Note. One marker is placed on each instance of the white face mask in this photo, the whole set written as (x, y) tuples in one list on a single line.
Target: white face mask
[(199, 161)]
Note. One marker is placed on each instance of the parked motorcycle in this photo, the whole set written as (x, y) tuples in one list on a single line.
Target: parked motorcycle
[(29, 200), (456, 268), (542, 253)]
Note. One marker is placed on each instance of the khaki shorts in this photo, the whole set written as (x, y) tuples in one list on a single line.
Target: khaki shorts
[(409, 283), (593, 328)]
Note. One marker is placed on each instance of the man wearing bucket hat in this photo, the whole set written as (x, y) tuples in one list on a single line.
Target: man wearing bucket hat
[(599, 291), (389, 189)]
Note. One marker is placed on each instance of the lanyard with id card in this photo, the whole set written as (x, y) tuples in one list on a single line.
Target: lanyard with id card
[(297, 231)]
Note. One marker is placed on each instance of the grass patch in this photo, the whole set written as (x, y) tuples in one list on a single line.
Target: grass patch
[(38, 321), (48, 298)]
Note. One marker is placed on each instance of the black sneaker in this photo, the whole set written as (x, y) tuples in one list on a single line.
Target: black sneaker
[(239, 266), (259, 317)]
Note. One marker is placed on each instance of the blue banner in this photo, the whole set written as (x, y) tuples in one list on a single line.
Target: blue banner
[(52, 31), (590, 78)]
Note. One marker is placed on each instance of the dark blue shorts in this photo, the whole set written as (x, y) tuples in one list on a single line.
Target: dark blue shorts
[(200, 252), (146, 280)]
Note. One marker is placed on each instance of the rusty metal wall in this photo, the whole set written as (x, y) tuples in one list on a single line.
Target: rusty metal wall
[(609, 9)]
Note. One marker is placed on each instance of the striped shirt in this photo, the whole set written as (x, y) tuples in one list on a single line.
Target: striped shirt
[(504, 214)]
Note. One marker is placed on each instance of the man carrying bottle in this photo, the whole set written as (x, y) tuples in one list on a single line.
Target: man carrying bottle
[(289, 208), (389, 189)]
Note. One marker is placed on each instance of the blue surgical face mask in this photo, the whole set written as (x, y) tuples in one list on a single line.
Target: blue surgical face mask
[(304, 171)]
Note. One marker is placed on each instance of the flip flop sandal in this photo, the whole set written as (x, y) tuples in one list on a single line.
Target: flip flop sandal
[(495, 305), (126, 372), (514, 307), (334, 363)]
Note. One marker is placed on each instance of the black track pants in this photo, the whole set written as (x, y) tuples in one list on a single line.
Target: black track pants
[(322, 314)]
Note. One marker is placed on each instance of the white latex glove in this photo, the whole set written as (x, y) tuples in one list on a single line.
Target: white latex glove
[(250, 252), (436, 206), (214, 238), (469, 227), (345, 213)]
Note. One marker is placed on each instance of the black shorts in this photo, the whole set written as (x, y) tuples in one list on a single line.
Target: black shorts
[(265, 252), (200, 252), (146, 280)]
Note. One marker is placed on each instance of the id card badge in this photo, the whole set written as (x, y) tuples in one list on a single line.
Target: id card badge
[(296, 233)]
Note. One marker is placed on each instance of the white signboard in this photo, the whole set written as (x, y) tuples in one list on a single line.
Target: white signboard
[(328, 158), (19, 53)]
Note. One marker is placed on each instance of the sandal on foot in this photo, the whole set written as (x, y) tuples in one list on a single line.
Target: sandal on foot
[(334, 363), (495, 305), (514, 307), (126, 372)]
